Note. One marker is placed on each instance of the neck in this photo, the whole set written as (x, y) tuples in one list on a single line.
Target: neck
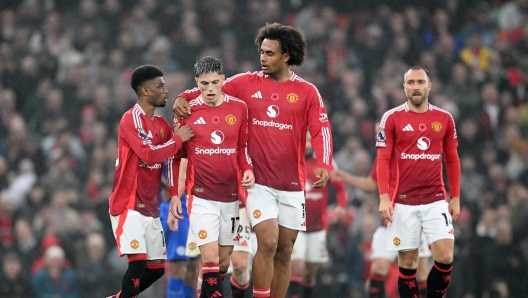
[(418, 109), (147, 108), (281, 76)]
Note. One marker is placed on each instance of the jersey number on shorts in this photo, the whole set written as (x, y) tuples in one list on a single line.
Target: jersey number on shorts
[(234, 220), (448, 221)]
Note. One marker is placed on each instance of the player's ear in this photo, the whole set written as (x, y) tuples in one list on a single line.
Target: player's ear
[(286, 57)]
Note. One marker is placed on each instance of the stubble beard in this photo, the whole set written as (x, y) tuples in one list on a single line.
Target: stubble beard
[(418, 102)]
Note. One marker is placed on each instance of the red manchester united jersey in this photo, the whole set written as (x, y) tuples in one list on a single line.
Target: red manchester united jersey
[(143, 145), (278, 116), (317, 198), (218, 152), (415, 142)]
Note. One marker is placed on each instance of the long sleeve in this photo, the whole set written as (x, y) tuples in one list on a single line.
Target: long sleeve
[(320, 131), (131, 129), (384, 143), (244, 160)]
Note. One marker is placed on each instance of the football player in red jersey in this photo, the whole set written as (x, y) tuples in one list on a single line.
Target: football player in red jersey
[(411, 141), (144, 142), (218, 163), (380, 256), (281, 106), (310, 249)]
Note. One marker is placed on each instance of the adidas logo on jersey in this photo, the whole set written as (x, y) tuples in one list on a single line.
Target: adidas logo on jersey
[(257, 95), (408, 127), (199, 121)]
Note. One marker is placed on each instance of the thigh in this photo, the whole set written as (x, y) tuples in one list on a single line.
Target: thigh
[(379, 246), (229, 221), (403, 233), (436, 222), (261, 204), (155, 239), (129, 232), (244, 233), (204, 218), (317, 251), (300, 247), (425, 250), (292, 210)]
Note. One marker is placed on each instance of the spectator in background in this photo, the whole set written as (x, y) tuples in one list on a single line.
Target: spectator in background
[(13, 283), (7, 210), (54, 278), (96, 277), (26, 245)]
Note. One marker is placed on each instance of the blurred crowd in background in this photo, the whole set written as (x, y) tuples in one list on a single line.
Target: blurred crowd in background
[(65, 67)]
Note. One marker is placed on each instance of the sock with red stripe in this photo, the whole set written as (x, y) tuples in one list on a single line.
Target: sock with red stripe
[(131, 279), (211, 280), (407, 285), (438, 279), (295, 289), (152, 273), (261, 292), (237, 289), (422, 289), (377, 286)]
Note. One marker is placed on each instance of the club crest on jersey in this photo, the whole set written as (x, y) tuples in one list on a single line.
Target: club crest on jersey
[(134, 244), (257, 213), (381, 135), (436, 126), (142, 134), (230, 119), (292, 97), (216, 120), (192, 245)]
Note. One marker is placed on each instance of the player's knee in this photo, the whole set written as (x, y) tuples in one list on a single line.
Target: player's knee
[(240, 265), (380, 266), (267, 246), (445, 258), (284, 253), (210, 256)]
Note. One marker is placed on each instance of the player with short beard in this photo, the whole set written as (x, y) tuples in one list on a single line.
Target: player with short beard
[(213, 174), (144, 142), (412, 193)]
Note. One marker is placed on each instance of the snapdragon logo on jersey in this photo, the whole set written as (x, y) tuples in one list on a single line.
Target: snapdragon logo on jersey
[(423, 144), (217, 138), (272, 112)]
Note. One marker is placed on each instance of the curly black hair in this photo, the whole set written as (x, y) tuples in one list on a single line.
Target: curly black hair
[(291, 40), (142, 74)]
